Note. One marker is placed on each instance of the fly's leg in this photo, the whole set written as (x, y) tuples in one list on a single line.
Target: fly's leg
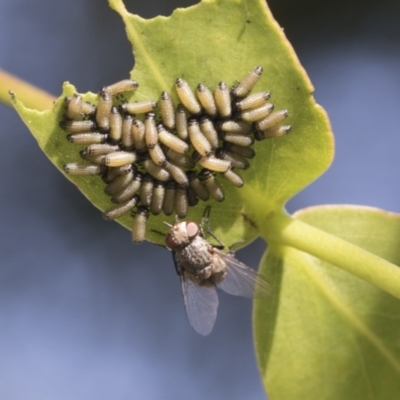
[(177, 268), (158, 232), (232, 247), (205, 221)]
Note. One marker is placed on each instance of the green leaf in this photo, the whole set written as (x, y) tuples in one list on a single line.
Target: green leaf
[(326, 334), (216, 40)]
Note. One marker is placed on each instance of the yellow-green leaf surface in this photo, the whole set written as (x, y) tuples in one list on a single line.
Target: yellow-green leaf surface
[(216, 40), (326, 334)]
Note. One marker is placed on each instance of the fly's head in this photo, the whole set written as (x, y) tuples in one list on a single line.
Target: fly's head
[(181, 234)]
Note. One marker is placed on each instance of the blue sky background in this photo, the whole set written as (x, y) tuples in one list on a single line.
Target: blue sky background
[(84, 314)]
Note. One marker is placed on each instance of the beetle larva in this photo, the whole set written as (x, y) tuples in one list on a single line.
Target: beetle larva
[(125, 85), (177, 174), (206, 99), (157, 198), (119, 158), (103, 111), (158, 156), (146, 190), (181, 160), (139, 224), (274, 131), (74, 106), (126, 132), (155, 171), (87, 109), (78, 126), (235, 126), (139, 107), (150, 131), (192, 198), (257, 114), (112, 173), (138, 134), (187, 97), (120, 209), (212, 163), (273, 119), (223, 100), (181, 201), (181, 122), (95, 159), (115, 125), (83, 169), (128, 191), (253, 101), (208, 130), (247, 83), (236, 160), (169, 198), (119, 183), (100, 148), (246, 152), (239, 139), (87, 138), (212, 185), (197, 186), (197, 138), (167, 111), (171, 141), (77, 107), (233, 178)]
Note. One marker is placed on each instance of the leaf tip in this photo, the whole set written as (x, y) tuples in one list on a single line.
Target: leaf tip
[(118, 6)]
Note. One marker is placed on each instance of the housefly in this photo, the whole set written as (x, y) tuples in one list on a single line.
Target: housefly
[(203, 267)]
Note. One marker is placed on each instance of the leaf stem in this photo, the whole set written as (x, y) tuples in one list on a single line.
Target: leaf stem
[(283, 229), (30, 95)]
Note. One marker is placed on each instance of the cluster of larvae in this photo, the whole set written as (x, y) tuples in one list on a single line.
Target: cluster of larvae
[(157, 157)]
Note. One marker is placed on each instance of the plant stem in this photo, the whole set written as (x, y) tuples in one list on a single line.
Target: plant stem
[(289, 231), (30, 95)]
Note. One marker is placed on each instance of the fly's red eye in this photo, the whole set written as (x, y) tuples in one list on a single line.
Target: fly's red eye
[(192, 229), (170, 242)]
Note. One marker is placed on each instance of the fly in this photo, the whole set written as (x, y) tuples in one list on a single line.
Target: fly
[(203, 267)]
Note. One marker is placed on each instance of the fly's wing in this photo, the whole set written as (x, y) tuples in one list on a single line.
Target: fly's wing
[(242, 280), (201, 303)]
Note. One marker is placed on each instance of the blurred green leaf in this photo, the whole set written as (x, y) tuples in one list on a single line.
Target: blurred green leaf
[(326, 334)]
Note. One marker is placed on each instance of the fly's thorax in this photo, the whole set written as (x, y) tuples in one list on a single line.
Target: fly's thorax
[(195, 257)]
